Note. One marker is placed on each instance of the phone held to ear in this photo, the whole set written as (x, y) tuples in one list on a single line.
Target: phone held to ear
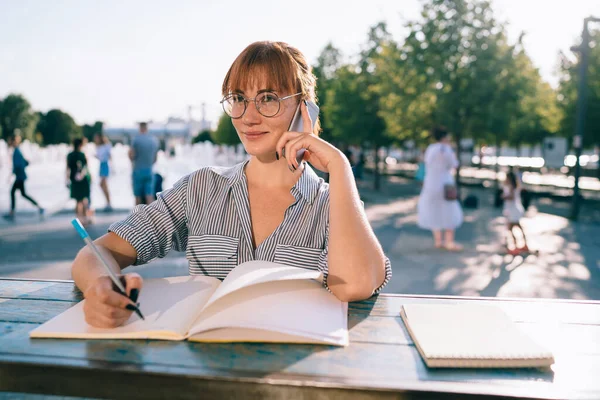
[(298, 126)]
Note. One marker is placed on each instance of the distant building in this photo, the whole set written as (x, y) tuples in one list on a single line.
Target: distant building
[(174, 131)]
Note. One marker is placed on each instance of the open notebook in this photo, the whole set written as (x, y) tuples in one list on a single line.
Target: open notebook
[(258, 302), (470, 336)]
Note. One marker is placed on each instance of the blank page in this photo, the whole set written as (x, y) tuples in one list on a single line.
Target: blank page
[(169, 306), (301, 308), (470, 332), (257, 272)]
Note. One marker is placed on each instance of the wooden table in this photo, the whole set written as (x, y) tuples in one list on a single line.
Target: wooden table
[(381, 361)]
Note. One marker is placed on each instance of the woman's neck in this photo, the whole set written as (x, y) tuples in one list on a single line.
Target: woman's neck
[(271, 174)]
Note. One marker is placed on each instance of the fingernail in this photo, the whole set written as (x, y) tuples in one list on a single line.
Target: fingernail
[(130, 307), (290, 168), (133, 295), (283, 152), (277, 156)]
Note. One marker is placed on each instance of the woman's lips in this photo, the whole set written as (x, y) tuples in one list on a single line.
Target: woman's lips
[(254, 135)]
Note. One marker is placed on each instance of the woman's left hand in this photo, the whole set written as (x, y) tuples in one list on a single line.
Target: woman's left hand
[(321, 154)]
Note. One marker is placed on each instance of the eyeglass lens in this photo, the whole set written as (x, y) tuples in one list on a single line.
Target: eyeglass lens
[(267, 104)]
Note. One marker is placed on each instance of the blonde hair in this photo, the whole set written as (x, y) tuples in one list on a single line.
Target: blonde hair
[(284, 67)]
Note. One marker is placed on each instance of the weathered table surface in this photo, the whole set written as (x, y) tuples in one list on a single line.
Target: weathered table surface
[(381, 361)]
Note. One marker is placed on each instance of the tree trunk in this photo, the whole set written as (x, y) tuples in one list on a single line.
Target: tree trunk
[(376, 170), (496, 165), (457, 135)]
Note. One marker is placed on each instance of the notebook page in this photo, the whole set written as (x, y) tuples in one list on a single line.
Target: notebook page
[(257, 272), (301, 307), (169, 306)]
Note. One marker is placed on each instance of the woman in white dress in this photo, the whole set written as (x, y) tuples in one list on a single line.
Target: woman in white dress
[(435, 213)]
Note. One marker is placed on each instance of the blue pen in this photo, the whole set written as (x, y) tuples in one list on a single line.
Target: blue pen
[(86, 238)]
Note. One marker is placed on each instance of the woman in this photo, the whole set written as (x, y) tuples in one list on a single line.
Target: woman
[(103, 149), (19, 165), (435, 212), (79, 182), (271, 207)]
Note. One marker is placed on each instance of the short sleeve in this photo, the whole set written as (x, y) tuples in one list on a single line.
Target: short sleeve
[(153, 230), (323, 265)]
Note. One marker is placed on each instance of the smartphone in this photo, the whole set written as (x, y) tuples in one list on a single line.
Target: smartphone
[(297, 125)]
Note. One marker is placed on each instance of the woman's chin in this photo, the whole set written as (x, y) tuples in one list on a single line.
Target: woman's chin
[(259, 151)]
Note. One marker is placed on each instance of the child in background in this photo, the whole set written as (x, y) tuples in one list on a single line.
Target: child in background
[(513, 211), (79, 180), (420, 174)]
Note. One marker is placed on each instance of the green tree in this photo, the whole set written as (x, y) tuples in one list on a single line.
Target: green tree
[(456, 46), (203, 136), (16, 115), (225, 132), (352, 100), (328, 62), (569, 82), (57, 126), (89, 131), (407, 99)]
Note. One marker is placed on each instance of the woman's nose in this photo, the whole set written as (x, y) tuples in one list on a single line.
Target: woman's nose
[(251, 116)]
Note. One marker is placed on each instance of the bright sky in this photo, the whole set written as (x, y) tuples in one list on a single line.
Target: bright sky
[(126, 61)]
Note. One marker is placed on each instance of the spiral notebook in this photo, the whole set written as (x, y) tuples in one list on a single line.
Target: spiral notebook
[(471, 336)]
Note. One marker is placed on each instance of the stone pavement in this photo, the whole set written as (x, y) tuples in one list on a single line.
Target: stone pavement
[(567, 265)]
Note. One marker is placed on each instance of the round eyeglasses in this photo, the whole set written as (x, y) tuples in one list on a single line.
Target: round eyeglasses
[(267, 104)]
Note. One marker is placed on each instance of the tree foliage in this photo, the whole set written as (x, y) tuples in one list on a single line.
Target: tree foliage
[(569, 82), (225, 132), (57, 126), (17, 116), (203, 136), (89, 131)]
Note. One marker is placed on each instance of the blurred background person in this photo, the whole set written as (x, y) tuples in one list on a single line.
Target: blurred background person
[(435, 212), (103, 150), (143, 153), (420, 174), (513, 211), (19, 165), (79, 180)]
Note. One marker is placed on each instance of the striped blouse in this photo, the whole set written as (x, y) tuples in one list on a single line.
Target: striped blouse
[(207, 215)]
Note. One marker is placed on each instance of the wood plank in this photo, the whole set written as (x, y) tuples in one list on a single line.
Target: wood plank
[(360, 365), (43, 290), (559, 338), (125, 384), (31, 311), (15, 330), (525, 311), (576, 338)]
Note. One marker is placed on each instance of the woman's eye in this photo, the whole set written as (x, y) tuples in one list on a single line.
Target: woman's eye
[(269, 97), (237, 98)]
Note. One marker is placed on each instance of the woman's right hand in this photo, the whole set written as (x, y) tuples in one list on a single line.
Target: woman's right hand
[(106, 308)]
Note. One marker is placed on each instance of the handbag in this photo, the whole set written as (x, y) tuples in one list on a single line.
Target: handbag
[(450, 192)]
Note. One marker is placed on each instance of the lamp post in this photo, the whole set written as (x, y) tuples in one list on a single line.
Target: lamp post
[(583, 51)]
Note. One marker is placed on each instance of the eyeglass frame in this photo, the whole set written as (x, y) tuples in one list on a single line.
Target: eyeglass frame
[(253, 99)]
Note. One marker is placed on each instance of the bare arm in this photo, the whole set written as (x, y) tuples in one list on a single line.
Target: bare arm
[(131, 153), (87, 268), (105, 308), (508, 194), (356, 260)]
